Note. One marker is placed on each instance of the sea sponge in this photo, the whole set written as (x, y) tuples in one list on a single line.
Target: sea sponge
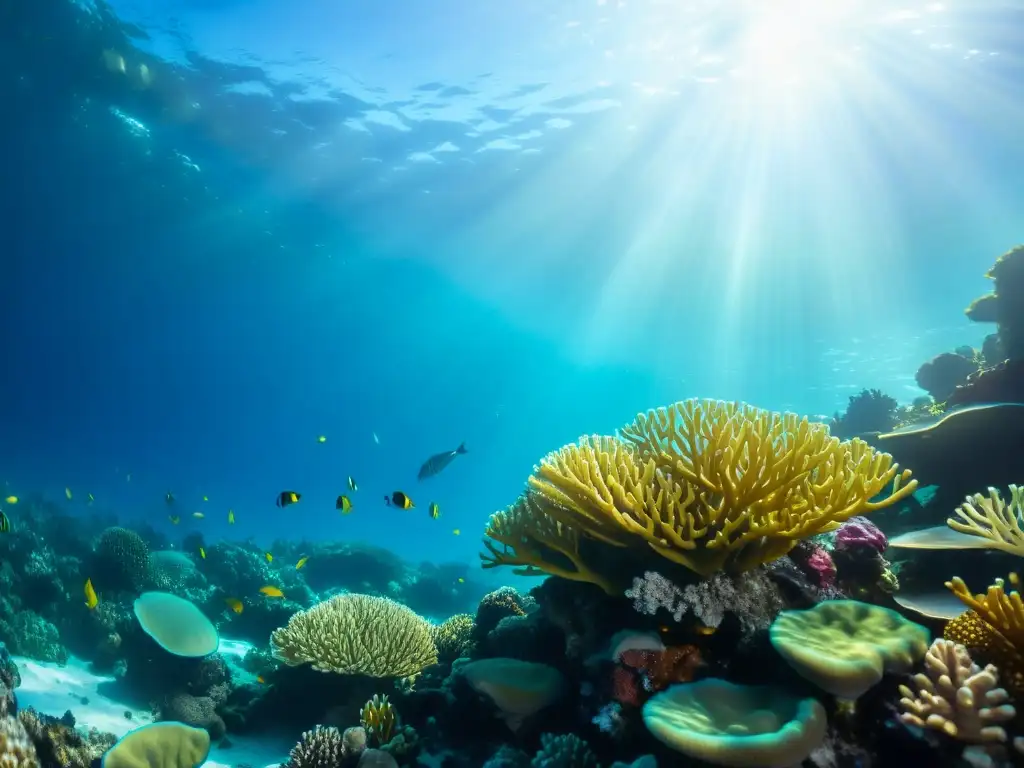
[(845, 647), (357, 635), (120, 560), (16, 749), (957, 697), (736, 725), (159, 745), (453, 635), (704, 483), (518, 689), (177, 625)]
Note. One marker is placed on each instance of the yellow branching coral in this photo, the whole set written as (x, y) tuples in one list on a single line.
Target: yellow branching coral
[(703, 483), (992, 519), (538, 543), (1000, 626), (378, 718), (357, 635)]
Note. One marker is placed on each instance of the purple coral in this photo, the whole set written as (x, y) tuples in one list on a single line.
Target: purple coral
[(858, 533), (820, 564)]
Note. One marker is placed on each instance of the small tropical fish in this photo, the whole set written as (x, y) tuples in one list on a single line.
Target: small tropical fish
[(206, 498), (703, 629), (128, 477), (11, 499), (198, 515), (91, 601), (322, 439), (376, 439), (343, 504), (302, 562), (456, 531), (439, 461), (260, 680), (270, 557), (434, 510), (5, 523), (400, 500), (284, 498), (461, 580), (231, 517), (202, 553), (174, 519), (67, 492), (352, 484), (91, 498), (270, 591), (169, 497), (234, 604)]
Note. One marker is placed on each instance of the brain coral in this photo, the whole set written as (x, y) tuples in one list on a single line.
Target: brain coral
[(357, 635), (121, 560)]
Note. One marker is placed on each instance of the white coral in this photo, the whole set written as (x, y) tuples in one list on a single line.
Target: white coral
[(955, 696)]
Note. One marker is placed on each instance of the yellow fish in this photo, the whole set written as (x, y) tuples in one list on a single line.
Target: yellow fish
[(202, 553), (461, 580), (234, 604), (271, 591), (198, 515), (67, 492), (456, 531), (91, 601), (206, 498), (231, 517), (322, 439), (343, 504), (270, 557), (259, 679), (11, 499), (174, 519), (302, 562), (435, 511)]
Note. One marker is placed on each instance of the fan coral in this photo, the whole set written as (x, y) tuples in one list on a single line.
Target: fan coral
[(357, 635), (956, 696), (706, 484)]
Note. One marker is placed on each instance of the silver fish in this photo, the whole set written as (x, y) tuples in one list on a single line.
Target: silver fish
[(439, 461)]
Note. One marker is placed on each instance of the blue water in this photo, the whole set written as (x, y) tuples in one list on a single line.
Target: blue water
[(506, 224)]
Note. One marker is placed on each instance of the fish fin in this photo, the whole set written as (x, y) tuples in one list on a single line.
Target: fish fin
[(461, 448)]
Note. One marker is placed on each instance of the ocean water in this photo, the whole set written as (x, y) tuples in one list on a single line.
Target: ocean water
[(229, 228)]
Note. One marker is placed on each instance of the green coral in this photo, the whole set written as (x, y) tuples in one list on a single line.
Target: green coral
[(452, 636), (120, 561), (564, 751), (357, 635)]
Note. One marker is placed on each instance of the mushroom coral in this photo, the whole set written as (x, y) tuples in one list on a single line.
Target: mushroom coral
[(845, 647), (707, 484), (736, 725)]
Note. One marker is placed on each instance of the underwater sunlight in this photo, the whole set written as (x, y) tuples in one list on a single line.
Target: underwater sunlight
[(446, 384)]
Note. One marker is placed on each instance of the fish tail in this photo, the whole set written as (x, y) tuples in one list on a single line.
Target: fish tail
[(461, 448)]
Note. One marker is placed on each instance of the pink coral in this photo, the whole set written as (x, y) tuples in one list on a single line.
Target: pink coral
[(820, 563), (859, 532)]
